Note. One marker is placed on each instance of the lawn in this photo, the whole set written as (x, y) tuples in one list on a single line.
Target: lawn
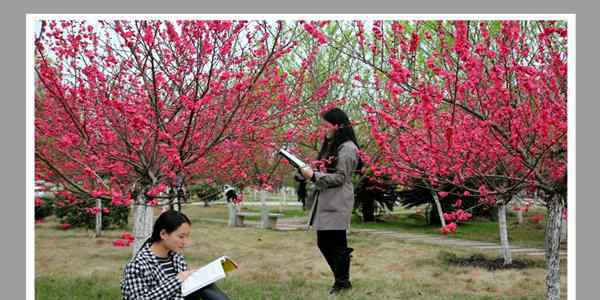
[(219, 211), (529, 234), (72, 264)]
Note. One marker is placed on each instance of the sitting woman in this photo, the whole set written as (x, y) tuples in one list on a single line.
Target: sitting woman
[(158, 270)]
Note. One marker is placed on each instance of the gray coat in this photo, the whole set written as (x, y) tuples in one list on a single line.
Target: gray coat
[(333, 195)]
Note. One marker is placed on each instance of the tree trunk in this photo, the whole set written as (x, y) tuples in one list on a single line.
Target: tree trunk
[(563, 230), (553, 247), (439, 208), (99, 218), (143, 217), (368, 209), (231, 211), (504, 233)]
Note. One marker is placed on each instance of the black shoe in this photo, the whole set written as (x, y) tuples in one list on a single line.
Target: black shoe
[(338, 288)]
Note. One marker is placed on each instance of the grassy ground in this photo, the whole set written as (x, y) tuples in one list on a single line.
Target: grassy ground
[(287, 212), (528, 234), (479, 229), (277, 265), (219, 211)]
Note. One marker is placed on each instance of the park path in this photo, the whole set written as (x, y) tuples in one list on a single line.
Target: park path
[(299, 223)]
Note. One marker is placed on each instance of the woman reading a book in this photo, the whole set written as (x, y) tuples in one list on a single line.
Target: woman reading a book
[(158, 270), (333, 196)]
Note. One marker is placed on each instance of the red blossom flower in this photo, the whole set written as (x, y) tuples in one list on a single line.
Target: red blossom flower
[(443, 194), (120, 243), (39, 202), (450, 228), (537, 218), (153, 192), (127, 236)]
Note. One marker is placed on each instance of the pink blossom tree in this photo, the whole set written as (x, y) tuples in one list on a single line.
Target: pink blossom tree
[(484, 102), (125, 106)]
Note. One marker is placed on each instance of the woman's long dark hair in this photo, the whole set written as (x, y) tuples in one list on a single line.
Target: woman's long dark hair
[(343, 133), (169, 221)]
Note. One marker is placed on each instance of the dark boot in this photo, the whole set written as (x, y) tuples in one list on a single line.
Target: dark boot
[(339, 288), (342, 272)]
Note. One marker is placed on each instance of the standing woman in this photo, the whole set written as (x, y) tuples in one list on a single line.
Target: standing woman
[(157, 271), (333, 197)]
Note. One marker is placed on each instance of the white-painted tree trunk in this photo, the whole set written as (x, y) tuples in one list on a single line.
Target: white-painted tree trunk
[(143, 218), (264, 215), (231, 210), (563, 230), (99, 218), (504, 233), (438, 205), (553, 247)]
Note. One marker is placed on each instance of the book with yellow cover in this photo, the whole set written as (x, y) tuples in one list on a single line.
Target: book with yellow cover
[(212, 272)]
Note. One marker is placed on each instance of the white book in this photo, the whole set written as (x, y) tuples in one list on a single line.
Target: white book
[(295, 161), (212, 272)]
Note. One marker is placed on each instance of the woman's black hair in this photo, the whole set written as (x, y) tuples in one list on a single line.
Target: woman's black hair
[(168, 221), (343, 133)]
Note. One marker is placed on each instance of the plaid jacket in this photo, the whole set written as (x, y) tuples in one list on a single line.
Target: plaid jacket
[(143, 278)]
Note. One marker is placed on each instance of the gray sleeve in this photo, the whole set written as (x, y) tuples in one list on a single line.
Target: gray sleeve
[(346, 163)]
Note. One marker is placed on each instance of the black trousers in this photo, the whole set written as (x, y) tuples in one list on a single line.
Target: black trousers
[(334, 247), (210, 292)]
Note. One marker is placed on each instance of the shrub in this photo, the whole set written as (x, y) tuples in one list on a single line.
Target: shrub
[(205, 192), (43, 207), (82, 212)]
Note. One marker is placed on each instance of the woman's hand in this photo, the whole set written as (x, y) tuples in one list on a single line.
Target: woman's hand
[(307, 172), (182, 276)]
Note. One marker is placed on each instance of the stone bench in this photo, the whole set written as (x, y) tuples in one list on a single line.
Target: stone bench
[(239, 218)]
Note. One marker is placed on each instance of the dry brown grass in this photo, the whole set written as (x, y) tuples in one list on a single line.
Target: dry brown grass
[(387, 268)]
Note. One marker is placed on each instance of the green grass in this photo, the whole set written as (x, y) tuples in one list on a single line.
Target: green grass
[(528, 234), (61, 288), (288, 212), (249, 197), (479, 229), (216, 211)]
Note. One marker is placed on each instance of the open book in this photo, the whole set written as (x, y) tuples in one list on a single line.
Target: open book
[(208, 274), (295, 161)]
